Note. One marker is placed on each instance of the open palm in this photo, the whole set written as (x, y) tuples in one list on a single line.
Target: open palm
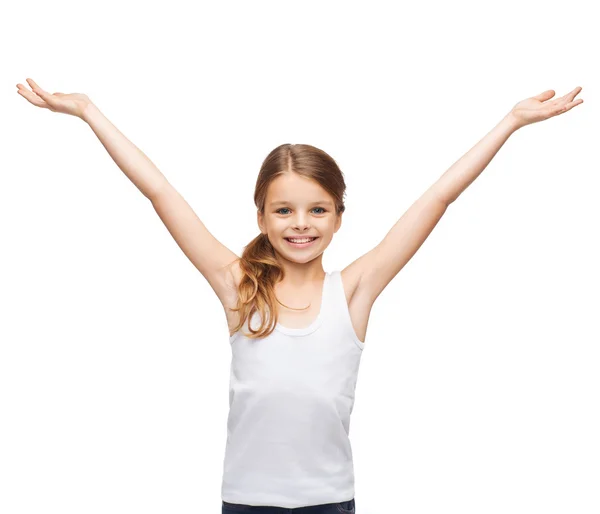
[(73, 104), (540, 107)]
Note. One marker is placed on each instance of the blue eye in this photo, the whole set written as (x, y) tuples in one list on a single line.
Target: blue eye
[(285, 208)]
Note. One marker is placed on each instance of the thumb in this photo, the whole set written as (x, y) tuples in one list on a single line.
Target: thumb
[(545, 95)]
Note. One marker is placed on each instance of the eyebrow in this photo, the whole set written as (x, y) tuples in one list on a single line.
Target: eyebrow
[(285, 202)]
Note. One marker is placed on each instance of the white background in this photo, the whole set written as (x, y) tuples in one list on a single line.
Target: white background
[(479, 384)]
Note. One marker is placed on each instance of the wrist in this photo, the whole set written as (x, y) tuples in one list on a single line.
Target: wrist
[(88, 111), (512, 122)]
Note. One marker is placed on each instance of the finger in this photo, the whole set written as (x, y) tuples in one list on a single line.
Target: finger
[(33, 85), (545, 95), (39, 91), (569, 106), (569, 96), (575, 92), (566, 107), (31, 97), (567, 103)]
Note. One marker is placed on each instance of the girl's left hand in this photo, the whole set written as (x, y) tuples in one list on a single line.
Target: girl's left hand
[(536, 108)]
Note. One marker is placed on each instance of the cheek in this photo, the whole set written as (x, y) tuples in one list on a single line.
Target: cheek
[(279, 225)]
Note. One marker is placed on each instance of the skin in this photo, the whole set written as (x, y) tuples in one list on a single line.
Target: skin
[(380, 265), (73, 104), (303, 266)]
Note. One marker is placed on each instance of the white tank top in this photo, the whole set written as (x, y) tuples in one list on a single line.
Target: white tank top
[(290, 399)]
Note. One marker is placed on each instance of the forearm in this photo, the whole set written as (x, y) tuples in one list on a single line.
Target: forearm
[(464, 171), (130, 159)]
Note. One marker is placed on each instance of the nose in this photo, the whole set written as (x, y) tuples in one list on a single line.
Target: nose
[(301, 228), (301, 224)]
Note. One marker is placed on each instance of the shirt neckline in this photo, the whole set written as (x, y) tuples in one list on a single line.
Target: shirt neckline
[(316, 322)]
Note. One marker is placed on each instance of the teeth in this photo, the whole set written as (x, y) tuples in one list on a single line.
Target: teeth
[(300, 240)]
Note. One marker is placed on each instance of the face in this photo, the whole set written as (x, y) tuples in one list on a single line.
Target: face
[(298, 207)]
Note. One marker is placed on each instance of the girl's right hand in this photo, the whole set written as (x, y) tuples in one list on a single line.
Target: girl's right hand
[(73, 104)]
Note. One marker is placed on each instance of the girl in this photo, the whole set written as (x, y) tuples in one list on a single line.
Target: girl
[(296, 332)]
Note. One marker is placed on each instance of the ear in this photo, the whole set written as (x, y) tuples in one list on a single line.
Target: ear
[(259, 220)]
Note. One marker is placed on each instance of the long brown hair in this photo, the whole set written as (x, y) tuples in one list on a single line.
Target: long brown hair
[(258, 263)]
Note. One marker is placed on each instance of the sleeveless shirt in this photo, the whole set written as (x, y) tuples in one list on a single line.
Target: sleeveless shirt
[(290, 399)]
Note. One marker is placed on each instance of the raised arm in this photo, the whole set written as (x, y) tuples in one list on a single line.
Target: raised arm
[(205, 252), (378, 267), (134, 163)]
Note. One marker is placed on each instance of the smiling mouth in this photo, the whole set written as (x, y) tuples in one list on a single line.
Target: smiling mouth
[(301, 245)]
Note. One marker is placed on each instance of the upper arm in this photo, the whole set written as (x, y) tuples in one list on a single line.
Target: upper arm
[(376, 269), (205, 252)]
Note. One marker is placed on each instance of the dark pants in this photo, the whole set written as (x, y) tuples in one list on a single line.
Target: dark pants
[(347, 507)]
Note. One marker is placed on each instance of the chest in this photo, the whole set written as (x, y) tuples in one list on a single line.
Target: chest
[(359, 307)]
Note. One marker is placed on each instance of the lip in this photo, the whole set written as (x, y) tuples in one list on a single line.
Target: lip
[(302, 245)]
